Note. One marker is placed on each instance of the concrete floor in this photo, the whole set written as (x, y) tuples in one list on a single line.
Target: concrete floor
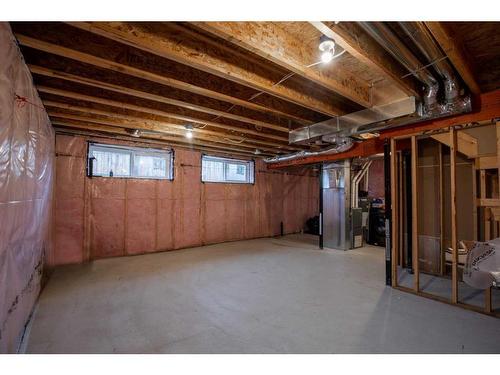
[(258, 296)]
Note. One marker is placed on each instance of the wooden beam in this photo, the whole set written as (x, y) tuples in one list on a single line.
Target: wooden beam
[(414, 214), (467, 144), (122, 105), (456, 54), (125, 69), (116, 133), (204, 54), (356, 42), (453, 199), (271, 41), (160, 127), (488, 202), (394, 214), (180, 139), (487, 162)]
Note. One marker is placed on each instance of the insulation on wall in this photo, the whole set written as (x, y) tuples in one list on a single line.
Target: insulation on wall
[(376, 186), (106, 217), (26, 168)]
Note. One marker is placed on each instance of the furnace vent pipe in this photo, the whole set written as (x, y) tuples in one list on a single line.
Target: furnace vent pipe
[(356, 181)]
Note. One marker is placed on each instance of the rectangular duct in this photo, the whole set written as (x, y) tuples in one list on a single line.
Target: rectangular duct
[(349, 124)]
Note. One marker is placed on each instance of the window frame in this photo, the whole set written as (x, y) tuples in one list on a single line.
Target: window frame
[(248, 163), (133, 151)]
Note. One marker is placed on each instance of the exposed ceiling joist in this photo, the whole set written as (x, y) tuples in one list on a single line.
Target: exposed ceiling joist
[(122, 105), (352, 38), (272, 42), (455, 53), (132, 122), (91, 129), (145, 95), (205, 55)]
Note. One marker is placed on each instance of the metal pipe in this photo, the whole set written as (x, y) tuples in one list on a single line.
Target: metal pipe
[(392, 44), (344, 145), (420, 35), (355, 183)]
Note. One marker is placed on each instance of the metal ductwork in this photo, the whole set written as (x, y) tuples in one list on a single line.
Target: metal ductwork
[(423, 39), (353, 123), (338, 130), (341, 145), (392, 44)]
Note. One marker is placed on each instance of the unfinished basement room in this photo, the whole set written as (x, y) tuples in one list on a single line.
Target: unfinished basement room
[(246, 187)]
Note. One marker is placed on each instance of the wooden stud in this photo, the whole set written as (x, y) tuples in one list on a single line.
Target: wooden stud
[(453, 198), (394, 214), (414, 213), (401, 207), (442, 265)]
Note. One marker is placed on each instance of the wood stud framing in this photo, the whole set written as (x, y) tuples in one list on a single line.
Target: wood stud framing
[(414, 213), (453, 199), (394, 213)]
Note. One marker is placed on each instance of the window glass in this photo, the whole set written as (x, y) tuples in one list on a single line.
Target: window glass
[(215, 169), (236, 172), (134, 162)]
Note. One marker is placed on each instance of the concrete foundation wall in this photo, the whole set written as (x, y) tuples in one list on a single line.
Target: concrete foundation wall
[(106, 217)]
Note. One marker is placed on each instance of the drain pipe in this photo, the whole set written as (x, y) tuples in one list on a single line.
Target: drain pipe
[(392, 44), (423, 39)]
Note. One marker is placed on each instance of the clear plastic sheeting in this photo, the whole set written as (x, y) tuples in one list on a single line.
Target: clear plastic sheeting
[(26, 171), (482, 267)]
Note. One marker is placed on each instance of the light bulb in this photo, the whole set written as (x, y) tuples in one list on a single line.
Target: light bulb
[(189, 134), (327, 56)]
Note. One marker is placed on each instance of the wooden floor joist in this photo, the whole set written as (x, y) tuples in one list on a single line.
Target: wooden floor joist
[(203, 54), (141, 125), (171, 139), (148, 96), (350, 37), (152, 111), (269, 40)]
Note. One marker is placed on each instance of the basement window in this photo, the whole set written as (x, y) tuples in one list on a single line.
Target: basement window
[(235, 171), (129, 162)]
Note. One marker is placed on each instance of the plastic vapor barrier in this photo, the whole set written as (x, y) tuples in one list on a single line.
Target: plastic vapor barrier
[(26, 172)]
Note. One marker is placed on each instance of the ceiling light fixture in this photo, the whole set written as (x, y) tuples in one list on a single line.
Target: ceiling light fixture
[(189, 131), (257, 151), (327, 47)]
